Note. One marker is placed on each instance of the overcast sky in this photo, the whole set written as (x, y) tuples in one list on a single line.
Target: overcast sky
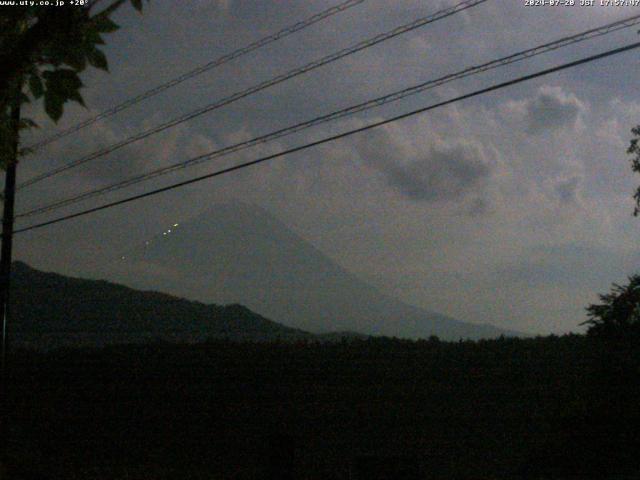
[(514, 208)]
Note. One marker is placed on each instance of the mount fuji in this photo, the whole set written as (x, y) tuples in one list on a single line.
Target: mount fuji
[(235, 253)]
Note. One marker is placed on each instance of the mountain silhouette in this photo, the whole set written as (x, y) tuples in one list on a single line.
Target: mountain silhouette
[(52, 310), (239, 253)]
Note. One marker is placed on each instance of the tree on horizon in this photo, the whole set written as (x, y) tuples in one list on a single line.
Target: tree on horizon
[(619, 313)]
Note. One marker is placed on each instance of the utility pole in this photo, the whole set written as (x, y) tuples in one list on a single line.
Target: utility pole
[(5, 256)]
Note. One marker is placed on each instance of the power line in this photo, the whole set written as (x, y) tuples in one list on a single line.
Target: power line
[(392, 97), (335, 137), (261, 86), (285, 32)]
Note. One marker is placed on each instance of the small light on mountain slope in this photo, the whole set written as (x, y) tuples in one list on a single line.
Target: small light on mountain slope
[(141, 249)]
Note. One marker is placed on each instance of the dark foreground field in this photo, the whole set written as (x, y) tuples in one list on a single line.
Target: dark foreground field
[(552, 407)]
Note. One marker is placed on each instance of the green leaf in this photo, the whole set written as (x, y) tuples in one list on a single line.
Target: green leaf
[(104, 24), (76, 59), (24, 151), (62, 80), (98, 59), (92, 37), (62, 85), (26, 123), (53, 105), (35, 85), (76, 97)]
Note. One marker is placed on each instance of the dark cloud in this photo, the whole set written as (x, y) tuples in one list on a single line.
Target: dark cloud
[(552, 108), (426, 173), (478, 207), (442, 175), (567, 190)]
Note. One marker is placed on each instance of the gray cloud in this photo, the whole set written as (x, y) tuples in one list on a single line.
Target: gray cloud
[(444, 174), (478, 207), (426, 172), (571, 265), (552, 108), (567, 190)]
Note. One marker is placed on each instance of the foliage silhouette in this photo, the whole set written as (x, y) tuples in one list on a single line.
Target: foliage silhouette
[(634, 149), (618, 316), (45, 48)]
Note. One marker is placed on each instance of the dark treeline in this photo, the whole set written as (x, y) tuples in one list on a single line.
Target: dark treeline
[(549, 407)]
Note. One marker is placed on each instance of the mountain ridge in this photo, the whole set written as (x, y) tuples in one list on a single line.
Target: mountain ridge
[(50, 310), (239, 253)]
